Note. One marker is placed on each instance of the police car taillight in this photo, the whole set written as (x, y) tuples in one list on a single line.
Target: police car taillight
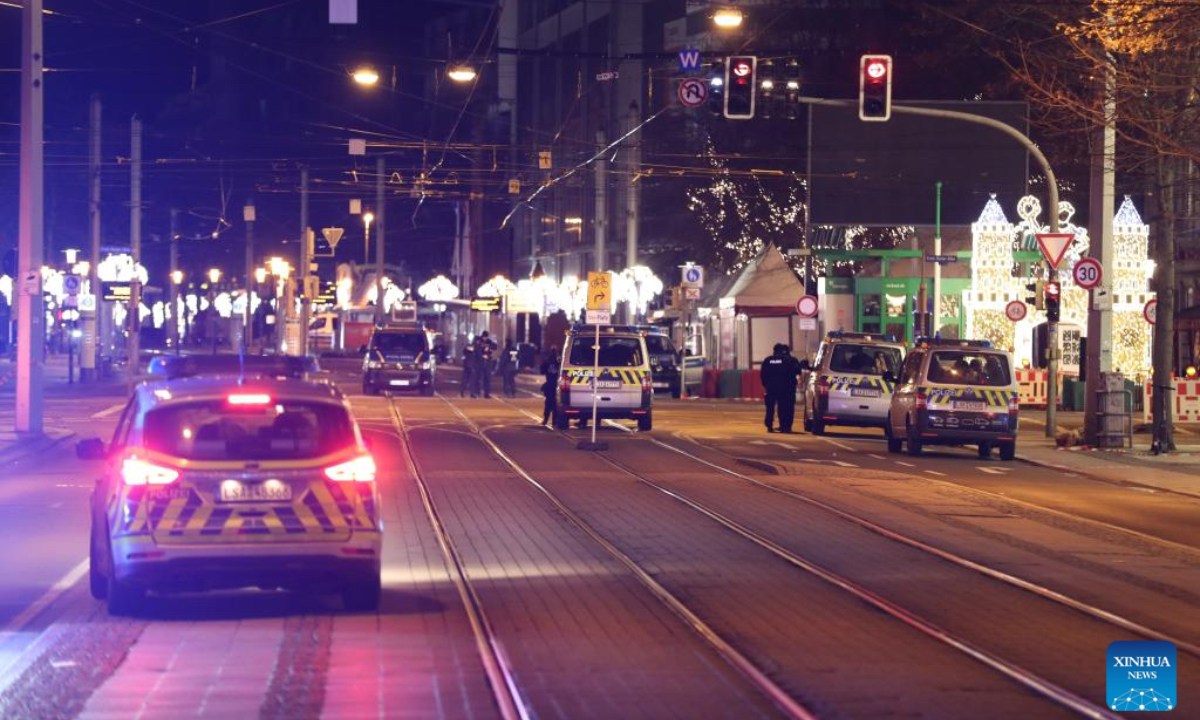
[(135, 471), (822, 386), (360, 469), (922, 400), (564, 384), (1014, 406)]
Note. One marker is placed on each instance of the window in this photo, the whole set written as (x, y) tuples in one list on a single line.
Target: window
[(912, 369), (214, 430), (864, 359), (389, 344), (614, 351), (121, 434), (963, 367)]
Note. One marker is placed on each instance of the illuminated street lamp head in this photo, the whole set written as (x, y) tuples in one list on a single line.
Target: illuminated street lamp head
[(260, 275), (177, 277), (368, 218), (461, 73), (727, 17), (365, 75), (214, 275)]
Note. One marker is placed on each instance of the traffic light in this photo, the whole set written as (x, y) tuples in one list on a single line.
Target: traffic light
[(716, 88), (1036, 294), (1053, 298), (740, 86), (875, 88)]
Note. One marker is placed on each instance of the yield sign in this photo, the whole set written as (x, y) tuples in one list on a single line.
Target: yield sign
[(1054, 246), (332, 235)]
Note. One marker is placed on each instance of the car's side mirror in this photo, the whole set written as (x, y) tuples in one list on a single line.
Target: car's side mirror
[(90, 449), (805, 365), (888, 376)]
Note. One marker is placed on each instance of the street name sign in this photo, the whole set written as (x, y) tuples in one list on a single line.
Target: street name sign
[(599, 295), (1016, 311), (598, 317), (941, 259), (1088, 273), (1054, 246)]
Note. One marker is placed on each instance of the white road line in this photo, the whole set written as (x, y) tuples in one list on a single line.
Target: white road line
[(901, 462), (843, 446), (935, 472), (877, 457), (59, 587), (839, 463), (109, 411), (989, 470)]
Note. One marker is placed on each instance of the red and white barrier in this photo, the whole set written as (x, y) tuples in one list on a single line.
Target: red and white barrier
[(1033, 387), (1187, 400)]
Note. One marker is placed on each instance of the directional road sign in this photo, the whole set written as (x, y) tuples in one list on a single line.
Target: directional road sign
[(1088, 273), (693, 92), (1016, 311), (1054, 246), (599, 291), (72, 284)]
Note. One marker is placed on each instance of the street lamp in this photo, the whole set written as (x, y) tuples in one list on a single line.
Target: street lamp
[(365, 75), (368, 218), (214, 275), (260, 275), (177, 277), (727, 17), (461, 73)]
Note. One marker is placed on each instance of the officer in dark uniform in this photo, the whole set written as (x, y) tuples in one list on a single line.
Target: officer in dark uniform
[(550, 370), (485, 364), (779, 374), (468, 370)]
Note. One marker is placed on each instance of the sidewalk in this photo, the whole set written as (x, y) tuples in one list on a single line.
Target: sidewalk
[(1177, 472)]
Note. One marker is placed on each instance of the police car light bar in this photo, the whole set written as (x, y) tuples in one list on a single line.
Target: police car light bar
[(951, 342), (843, 335)]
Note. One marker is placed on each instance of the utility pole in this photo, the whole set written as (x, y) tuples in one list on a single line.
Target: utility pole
[(174, 250), (935, 323), (135, 244), (89, 358), (1102, 199), (31, 334), (305, 261), (632, 204), (248, 216), (600, 224), (380, 169)]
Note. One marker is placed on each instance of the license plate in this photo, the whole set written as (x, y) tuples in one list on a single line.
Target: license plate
[(661, 385), (973, 406), (399, 382), (864, 392), (608, 384), (267, 491)]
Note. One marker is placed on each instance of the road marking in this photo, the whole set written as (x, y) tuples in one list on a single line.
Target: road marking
[(109, 411), (901, 462), (990, 470), (877, 457), (843, 446), (844, 464), (935, 472), (59, 587), (785, 446)]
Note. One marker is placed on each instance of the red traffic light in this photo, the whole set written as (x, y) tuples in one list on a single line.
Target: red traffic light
[(876, 71), (1053, 290)]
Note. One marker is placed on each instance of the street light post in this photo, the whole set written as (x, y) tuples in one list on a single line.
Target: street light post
[(31, 333), (214, 276)]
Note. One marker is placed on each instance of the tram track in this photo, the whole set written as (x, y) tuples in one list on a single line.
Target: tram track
[(1015, 672)]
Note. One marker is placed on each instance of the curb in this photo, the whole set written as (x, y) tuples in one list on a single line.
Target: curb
[(1101, 478), (22, 449), (765, 466)]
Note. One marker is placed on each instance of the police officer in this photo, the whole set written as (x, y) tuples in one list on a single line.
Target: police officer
[(779, 373), (468, 370), (485, 364), (508, 369), (550, 370)]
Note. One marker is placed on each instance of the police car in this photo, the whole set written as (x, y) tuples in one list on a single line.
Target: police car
[(847, 382), (399, 357), (623, 386), (222, 482), (955, 392)]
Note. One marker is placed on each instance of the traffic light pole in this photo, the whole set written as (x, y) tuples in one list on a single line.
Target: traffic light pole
[(31, 318), (1052, 351)]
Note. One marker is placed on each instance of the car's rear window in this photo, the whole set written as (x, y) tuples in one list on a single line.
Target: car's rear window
[(278, 430), (614, 351), (864, 359), (963, 367)]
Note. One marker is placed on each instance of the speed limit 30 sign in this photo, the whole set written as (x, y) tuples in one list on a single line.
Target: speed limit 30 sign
[(1088, 273)]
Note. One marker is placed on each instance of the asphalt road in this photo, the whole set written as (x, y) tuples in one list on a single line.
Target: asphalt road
[(705, 569)]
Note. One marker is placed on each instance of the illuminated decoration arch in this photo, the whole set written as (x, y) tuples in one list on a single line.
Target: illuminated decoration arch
[(439, 289), (999, 276)]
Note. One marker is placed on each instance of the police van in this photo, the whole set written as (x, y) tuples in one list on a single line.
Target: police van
[(955, 392), (623, 388), (847, 383)]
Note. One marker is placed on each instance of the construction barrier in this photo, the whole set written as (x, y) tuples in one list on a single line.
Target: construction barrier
[(710, 383), (1187, 400), (752, 386)]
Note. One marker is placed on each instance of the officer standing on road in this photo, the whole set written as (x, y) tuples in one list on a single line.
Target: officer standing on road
[(779, 374), (508, 369), (550, 370), (485, 359), (468, 370)]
